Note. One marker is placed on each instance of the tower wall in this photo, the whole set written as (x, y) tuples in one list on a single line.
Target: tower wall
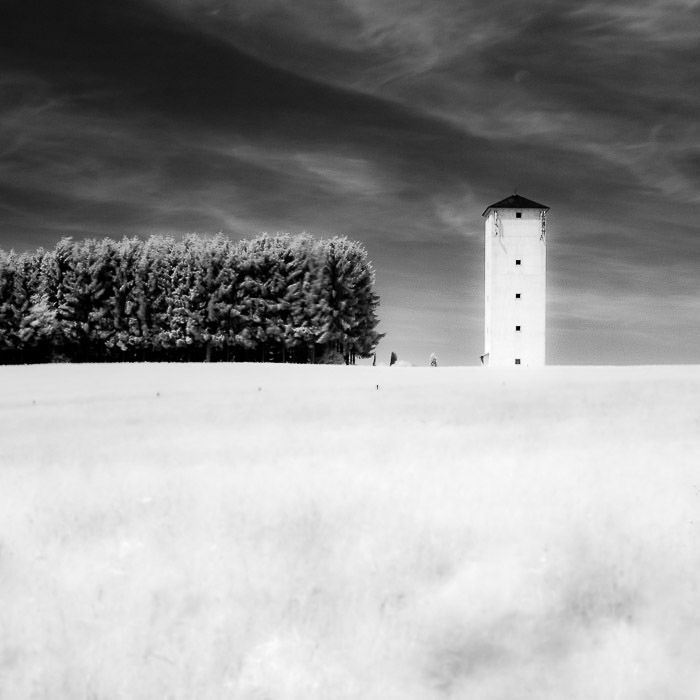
[(507, 240)]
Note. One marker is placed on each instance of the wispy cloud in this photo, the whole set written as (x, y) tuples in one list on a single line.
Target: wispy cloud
[(601, 79)]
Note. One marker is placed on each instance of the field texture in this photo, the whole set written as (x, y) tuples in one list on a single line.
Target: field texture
[(270, 532)]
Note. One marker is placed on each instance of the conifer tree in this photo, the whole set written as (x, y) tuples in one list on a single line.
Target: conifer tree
[(118, 317), (302, 296), (155, 279), (281, 298), (15, 295)]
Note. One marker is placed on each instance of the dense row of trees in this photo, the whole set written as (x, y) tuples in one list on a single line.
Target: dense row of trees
[(273, 298)]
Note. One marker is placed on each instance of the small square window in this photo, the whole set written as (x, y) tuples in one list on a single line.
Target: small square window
[(517, 295), (517, 328), (517, 360), (518, 215), (517, 262)]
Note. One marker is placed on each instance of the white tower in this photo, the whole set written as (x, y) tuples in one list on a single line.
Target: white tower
[(516, 259)]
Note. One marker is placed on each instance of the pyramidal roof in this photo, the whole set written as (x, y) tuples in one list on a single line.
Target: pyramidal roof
[(515, 201)]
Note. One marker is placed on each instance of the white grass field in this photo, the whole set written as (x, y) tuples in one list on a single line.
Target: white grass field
[(275, 532)]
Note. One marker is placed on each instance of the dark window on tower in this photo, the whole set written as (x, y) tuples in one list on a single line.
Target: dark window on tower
[(517, 262), (517, 360), (517, 328), (518, 215), (517, 295)]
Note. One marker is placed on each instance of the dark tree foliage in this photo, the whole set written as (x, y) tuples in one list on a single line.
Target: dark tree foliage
[(273, 298)]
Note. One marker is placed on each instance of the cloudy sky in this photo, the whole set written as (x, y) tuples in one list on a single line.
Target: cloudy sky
[(393, 122)]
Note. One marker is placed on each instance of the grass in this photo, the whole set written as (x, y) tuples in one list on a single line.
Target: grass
[(278, 532)]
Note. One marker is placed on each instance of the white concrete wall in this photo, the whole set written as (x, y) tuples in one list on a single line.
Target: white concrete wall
[(516, 239)]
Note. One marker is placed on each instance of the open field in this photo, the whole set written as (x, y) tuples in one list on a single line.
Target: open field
[(270, 532)]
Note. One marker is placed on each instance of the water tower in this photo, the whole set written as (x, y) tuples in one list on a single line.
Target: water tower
[(515, 293)]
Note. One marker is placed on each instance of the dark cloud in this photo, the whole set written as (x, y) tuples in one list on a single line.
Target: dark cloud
[(688, 165), (392, 122)]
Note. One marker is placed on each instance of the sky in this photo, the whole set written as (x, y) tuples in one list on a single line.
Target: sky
[(394, 123)]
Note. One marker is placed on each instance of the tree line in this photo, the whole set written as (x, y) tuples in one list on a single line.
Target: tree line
[(279, 298)]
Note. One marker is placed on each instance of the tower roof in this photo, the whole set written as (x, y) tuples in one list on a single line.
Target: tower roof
[(515, 201)]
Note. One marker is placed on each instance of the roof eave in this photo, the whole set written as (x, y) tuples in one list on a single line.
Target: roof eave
[(540, 207)]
